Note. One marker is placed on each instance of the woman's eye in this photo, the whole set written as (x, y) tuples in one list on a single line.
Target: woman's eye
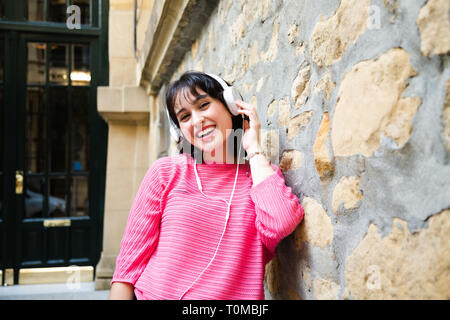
[(184, 117), (204, 104)]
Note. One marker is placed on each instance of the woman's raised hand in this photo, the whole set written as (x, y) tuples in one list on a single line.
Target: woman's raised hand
[(251, 139)]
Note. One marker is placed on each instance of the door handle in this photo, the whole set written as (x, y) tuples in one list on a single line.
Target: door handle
[(52, 223), (19, 182)]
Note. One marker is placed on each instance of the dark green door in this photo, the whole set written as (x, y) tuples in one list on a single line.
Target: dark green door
[(53, 145)]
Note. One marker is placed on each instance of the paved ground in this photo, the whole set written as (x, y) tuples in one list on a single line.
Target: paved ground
[(80, 291)]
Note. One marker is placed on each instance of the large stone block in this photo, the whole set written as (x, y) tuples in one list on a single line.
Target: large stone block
[(322, 158), (332, 37), (290, 160), (434, 26), (325, 289), (371, 105), (347, 192), (272, 276), (326, 85), (301, 87), (316, 228), (284, 112), (297, 122), (402, 265), (270, 54)]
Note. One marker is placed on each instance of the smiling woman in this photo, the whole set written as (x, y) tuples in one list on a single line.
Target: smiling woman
[(205, 230), (197, 107)]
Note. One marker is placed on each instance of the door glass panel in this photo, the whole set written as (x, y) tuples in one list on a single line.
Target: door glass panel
[(36, 10), (58, 146), (57, 197), (84, 10), (57, 10), (34, 197), (1, 147), (36, 62), (59, 63), (35, 130), (80, 129), (81, 74), (2, 58), (80, 198)]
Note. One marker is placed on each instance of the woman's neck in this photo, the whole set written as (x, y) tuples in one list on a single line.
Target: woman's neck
[(214, 158), (217, 156)]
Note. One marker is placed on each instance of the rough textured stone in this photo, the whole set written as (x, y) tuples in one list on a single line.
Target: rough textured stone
[(299, 121), (292, 33), (284, 112), (306, 276), (446, 115), (370, 105), (331, 37), (290, 160), (194, 49), (272, 109), (316, 227), (301, 48), (325, 289), (402, 265), (238, 67), (434, 26), (301, 87), (260, 84), (292, 295), (272, 275), (271, 52), (253, 54), (238, 28), (322, 158), (326, 85), (270, 144), (224, 8), (347, 192)]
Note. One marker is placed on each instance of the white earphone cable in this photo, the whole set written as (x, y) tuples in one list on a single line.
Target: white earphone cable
[(199, 184)]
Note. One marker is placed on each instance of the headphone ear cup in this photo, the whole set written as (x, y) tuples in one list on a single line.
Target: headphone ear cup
[(230, 94), (175, 132)]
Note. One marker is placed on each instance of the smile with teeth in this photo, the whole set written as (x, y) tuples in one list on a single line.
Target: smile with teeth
[(206, 132)]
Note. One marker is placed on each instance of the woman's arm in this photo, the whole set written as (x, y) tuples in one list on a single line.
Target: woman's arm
[(261, 168), (121, 291), (278, 210)]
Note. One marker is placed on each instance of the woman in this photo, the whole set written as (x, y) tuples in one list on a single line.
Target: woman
[(205, 228)]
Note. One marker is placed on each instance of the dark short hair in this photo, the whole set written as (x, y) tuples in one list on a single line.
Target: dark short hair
[(189, 82)]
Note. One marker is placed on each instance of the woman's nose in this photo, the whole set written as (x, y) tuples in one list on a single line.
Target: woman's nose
[(197, 119)]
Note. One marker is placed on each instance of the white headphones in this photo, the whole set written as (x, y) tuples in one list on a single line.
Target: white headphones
[(230, 94)]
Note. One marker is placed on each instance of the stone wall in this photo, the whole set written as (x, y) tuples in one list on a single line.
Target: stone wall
[(354, 99)]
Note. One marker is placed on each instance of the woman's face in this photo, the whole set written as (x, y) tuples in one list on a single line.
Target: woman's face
[(204, 121)]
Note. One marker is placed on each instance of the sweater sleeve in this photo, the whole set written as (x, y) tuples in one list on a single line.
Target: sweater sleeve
[(278, 210), (142, 230)]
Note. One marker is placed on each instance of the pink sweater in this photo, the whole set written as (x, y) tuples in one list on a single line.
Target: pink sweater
[(173, 231)]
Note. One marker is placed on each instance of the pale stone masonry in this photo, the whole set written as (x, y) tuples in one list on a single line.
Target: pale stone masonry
[(353, 97)]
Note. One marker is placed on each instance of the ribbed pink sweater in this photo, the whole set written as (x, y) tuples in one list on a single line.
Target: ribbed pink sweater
[(173, 231)]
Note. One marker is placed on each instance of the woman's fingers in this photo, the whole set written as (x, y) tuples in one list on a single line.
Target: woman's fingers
[(253, 117)]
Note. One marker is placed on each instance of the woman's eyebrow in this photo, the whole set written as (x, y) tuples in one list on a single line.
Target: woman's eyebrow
[(179, 111), (199, 97)]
